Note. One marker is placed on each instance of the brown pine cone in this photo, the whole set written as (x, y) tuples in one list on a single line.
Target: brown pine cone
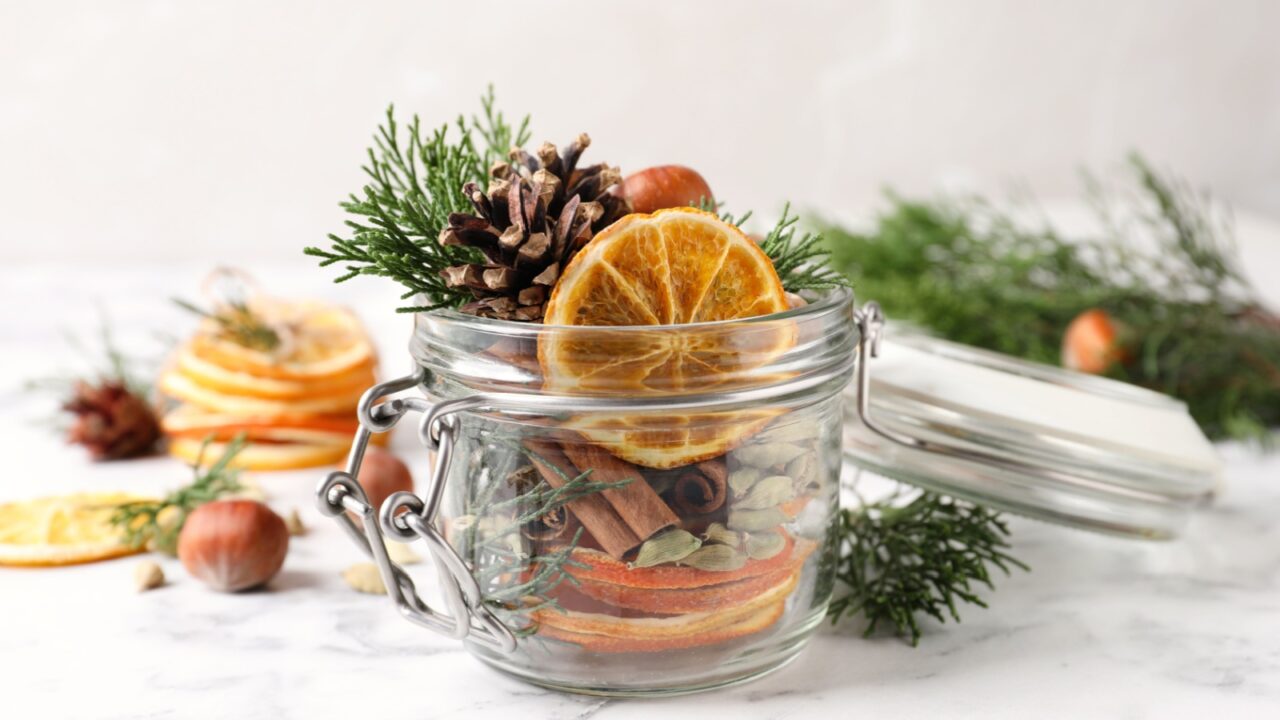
[(111, 421), (536, 213)]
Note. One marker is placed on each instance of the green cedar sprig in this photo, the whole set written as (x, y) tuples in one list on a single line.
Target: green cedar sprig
[(802, 263), (415, 181), (974, 274), (238, 323), (157, 523), (899, 562)]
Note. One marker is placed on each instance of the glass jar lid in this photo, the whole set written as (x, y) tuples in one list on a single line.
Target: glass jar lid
[(1033, 439)]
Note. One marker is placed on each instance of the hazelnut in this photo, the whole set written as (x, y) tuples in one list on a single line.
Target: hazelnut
[(233, 545), (665, 186), (382, 474)]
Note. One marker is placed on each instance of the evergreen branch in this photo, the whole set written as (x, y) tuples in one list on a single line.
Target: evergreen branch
[(975, 275), (414, 184), (801, 264), (923, 558), (157, 523)]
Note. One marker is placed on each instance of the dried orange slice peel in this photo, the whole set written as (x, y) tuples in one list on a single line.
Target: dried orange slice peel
[(63, 530), (673, 267)]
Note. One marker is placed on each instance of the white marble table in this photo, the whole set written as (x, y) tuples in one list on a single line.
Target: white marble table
[(1100, 628)]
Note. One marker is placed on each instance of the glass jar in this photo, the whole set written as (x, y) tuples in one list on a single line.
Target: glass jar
[(620, 510), (652, 510)]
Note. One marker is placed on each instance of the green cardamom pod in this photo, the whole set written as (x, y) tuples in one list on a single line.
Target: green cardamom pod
[(792, 432), (754, 520), (762, 546), (718, 533), (769, 492), (741, 480), (767, 455), (716, 558), (670, 546), (803, 471)]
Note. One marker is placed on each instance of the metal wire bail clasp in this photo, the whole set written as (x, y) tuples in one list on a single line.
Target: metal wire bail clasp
[(405, 516)]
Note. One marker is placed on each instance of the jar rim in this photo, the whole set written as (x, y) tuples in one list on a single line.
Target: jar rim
[(779, 353), (818, 303)]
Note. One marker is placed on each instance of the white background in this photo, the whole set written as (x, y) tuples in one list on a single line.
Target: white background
[(227, 132)]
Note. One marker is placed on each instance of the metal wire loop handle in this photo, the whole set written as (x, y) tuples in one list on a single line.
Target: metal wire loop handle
[(405, 516)]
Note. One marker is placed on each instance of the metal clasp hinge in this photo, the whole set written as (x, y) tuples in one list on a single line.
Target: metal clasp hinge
[(405, 516)]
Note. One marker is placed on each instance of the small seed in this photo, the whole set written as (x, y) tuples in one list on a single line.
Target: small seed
[(769, 492), (754, 520), (767, 455), (715, 558), (762, 546), (294, 523), (147, 576), (365, 578), (670, 546), (401, 554), (718, 533)]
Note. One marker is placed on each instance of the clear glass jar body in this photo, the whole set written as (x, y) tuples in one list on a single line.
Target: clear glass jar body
[(652, 509)]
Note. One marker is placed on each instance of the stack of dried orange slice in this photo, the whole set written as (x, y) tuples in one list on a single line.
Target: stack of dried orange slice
[(294, 398), (612, 607)]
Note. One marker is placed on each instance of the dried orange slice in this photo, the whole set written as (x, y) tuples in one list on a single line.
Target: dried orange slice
[(673, 267), (64, 530), (194, 422), (183, 387), (608, 633), (238, 382), (683, 600), (264, 455), (319, 340)]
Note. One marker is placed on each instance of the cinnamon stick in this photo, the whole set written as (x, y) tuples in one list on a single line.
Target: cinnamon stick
[(593, 511), (636, 502), (702, 488), (557, 526)]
